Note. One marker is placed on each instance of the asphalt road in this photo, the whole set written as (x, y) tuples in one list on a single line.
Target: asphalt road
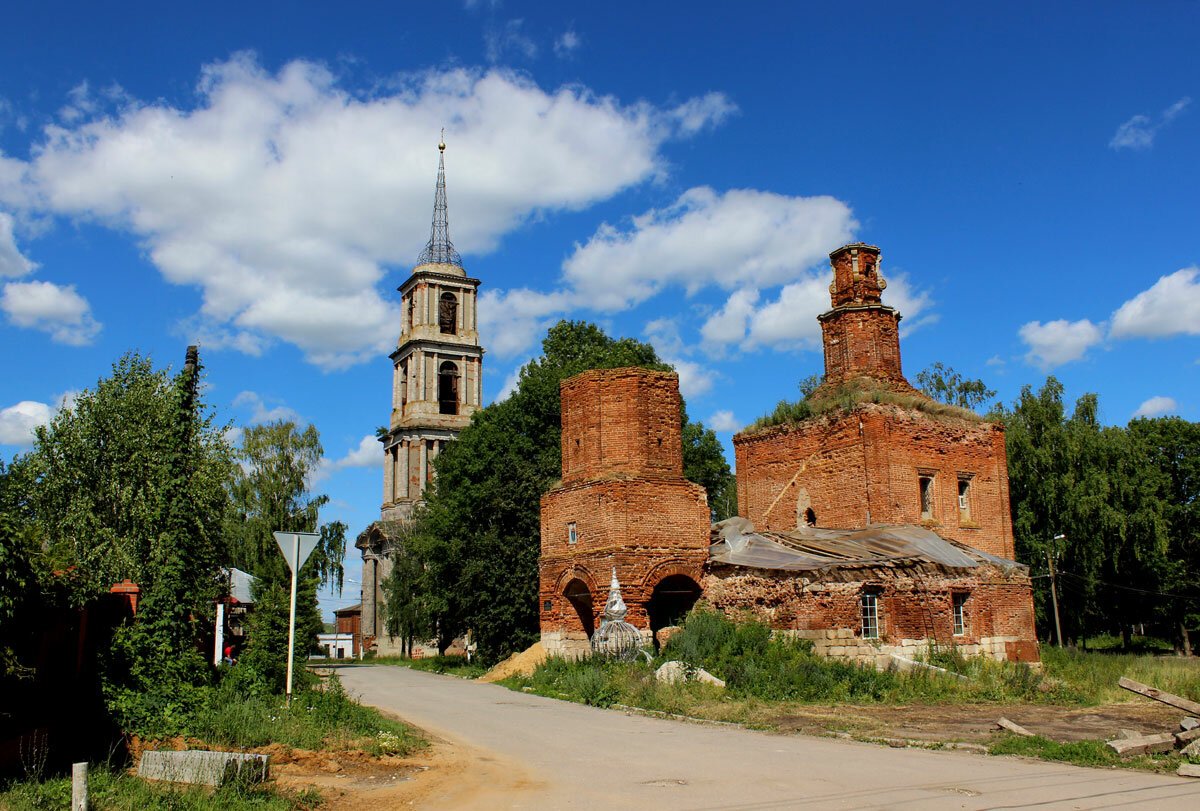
[(534, 752)]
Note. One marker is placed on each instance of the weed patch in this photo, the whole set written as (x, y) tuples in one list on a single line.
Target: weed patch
[(448, 665)]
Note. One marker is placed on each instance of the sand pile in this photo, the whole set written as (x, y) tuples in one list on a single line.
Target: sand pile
[(519, 664)]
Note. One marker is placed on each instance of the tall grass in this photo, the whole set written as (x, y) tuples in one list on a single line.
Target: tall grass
[(758, 666), (447, 665), (318, 719), (120, 792)]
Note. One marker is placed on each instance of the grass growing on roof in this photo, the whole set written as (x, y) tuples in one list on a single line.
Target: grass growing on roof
[(846, 396)]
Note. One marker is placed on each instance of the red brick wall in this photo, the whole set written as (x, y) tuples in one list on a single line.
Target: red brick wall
[(914, 606), (621, 422), (861, 340), (846, 466), (624, 490)]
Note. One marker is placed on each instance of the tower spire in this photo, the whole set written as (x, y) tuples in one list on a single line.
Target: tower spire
[(440, 250)]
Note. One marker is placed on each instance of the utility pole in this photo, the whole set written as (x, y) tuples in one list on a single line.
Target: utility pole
[(1054, 592)]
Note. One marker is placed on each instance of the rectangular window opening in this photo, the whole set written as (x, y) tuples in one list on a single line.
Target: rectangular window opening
[(572, 534), (870, 615), (926, 490), (960, 613), (964, 498)]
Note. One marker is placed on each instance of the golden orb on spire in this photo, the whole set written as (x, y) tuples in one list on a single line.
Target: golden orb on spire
[(442, 141)]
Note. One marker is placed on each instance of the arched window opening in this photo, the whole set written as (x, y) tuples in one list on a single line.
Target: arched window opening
[(671, 600), (403, 384), (448, 313), (448, 388), (580, 598), (412, 301)]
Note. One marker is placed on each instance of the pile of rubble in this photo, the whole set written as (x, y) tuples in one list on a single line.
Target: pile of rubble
[(1187, 739)]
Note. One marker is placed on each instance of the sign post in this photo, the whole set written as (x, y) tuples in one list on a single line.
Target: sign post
[(296, 547)]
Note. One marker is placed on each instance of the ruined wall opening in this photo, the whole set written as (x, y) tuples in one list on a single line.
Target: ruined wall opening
[(671, 600), (580, 598), (448, 388), (448, 313), (810, 517)]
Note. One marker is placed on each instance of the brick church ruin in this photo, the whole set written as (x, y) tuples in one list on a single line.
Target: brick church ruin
[(875, 525)]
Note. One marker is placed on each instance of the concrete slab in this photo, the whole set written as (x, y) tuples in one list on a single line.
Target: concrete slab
[(198, 766)]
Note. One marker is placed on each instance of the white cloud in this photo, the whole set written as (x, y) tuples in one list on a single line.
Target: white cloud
[(567, 44), (740, 238), (259, 410), (1157, 407), (789, 321), (510, 321), (55, 309), (724, 421), (694, 378), (1057, 342), (510, 383), (508, 38), (12, 261), (1170, 307), (283, 196), (728, 325), (702, 112), (1139, 132), (369, 453), (18, 422)]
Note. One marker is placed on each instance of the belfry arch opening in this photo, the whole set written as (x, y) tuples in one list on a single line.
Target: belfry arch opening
[(580, 598), (448, 388), (448, 313), (671, 600)]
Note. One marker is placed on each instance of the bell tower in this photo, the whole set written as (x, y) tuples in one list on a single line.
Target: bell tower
[(860, 333), (437, 364)]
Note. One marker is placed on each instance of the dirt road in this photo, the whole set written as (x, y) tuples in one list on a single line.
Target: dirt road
[(525, 751)]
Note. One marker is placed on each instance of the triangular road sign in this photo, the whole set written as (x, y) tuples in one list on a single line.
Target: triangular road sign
[(287, 542)]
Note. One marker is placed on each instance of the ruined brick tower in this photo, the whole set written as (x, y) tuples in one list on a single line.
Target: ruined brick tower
[(623, 504), (861, 334), (894, 456), (437, 371)]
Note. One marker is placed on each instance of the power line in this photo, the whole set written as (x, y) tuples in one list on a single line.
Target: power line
[(1129, 588)]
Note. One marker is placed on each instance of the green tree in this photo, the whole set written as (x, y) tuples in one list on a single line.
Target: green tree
[(100, 479), (270, 491), (1171, 447), (947, 386), (1071, 476), (408, 617), (156, 658), (478, 537)]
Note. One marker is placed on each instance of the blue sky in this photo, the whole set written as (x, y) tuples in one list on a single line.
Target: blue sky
[(259, 177)]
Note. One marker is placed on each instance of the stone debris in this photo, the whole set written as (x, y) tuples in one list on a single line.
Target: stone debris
[(676, 672), (199, 766), (1145, 745), (1188, 770), (1189, 723), (1016, 729)]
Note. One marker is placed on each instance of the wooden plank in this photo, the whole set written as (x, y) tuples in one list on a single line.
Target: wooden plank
[(1004, 723), (1158, 695), (1147, 744)]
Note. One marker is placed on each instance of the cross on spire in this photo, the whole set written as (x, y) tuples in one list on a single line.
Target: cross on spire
[(440, 250)]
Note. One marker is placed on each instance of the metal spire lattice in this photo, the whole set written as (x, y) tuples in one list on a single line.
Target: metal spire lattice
[(440, 250)]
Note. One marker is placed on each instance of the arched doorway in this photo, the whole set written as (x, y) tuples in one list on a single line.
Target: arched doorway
[(580, 598), (671, 600)]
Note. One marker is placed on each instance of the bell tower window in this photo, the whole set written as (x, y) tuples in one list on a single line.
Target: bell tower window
[(448, 388), (448, 313)]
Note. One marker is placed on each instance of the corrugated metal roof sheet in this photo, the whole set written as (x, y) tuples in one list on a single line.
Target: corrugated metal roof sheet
[(810, 549)]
